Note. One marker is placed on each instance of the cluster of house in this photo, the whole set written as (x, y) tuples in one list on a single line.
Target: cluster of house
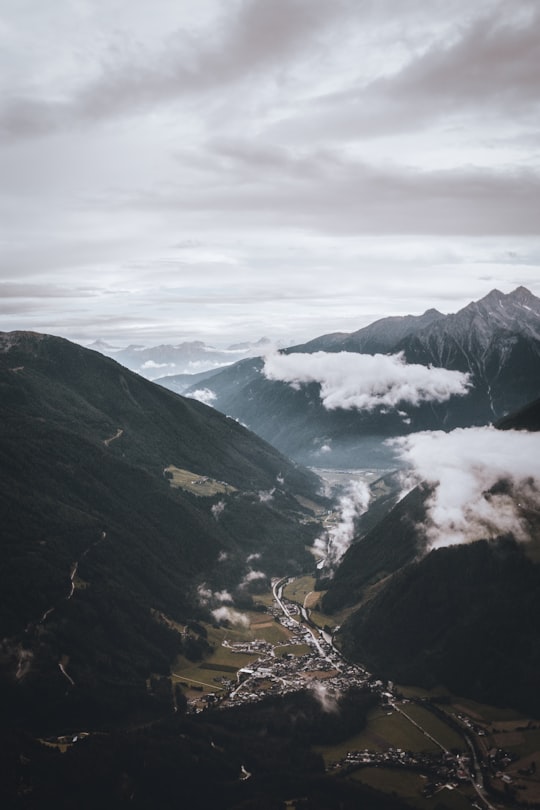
[(280, 675), (440, 769)]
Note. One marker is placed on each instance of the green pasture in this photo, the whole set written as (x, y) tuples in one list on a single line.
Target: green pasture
[(383, 730), (447, 737), (408, 785), (197, 484), (419, 692), (293, 649), (490, 714), (274, 634), (530, 743), (221, 662), (298, 589)]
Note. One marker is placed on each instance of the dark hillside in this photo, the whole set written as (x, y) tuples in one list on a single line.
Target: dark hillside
[(527, 418), (97, 544), (95, 396), (391, 544), (465, 616)]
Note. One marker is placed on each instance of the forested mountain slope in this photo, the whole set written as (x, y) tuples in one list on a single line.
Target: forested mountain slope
[(466, 616), (98, 546)]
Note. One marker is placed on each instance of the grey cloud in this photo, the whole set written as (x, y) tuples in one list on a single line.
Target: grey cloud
[(205, 216), (492, 66), (10, 289), (257, 36), (349, 197)]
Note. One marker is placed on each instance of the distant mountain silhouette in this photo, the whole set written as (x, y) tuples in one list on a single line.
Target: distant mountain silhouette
[(187, 357)]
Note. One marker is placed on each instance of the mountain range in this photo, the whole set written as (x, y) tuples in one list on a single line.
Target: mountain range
[(188, 357), (128, 511), (118, 500), (495, 341)]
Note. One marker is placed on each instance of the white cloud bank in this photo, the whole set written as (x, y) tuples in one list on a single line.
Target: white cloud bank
[(364, 382), (333, 545), (486, 481)]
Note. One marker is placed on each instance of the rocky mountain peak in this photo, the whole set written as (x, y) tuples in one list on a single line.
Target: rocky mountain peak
[(517, 311)]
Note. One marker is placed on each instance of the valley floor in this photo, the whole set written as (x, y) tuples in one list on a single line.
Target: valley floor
[(475, 754)]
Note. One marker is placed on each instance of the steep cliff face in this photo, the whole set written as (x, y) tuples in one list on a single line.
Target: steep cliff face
[(496, 340)]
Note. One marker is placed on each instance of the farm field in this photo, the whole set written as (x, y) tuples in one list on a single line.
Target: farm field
[(293, 649), (298, 589), (447, 737), (383, 731), (197, 484), (302, 587), (408, 785), (223, 662)]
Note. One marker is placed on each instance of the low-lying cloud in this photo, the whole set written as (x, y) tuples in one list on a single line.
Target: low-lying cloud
[(226, 614), (354, 381), (486, 482), (220, 601), (325, 697), (333, 545), (252, 576), (204, 395), (218, 509), (209, 597)]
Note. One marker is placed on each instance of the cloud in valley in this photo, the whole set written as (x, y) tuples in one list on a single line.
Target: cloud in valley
[(325, 696), (334, 543), (485, 481), (252, 576), (227, 614), (364, 382), (209, 597)]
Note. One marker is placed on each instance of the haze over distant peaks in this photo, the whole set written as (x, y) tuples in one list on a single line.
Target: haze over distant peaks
[(187, 357)]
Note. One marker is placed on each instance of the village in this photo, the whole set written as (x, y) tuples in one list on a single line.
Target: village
[(322, 668)]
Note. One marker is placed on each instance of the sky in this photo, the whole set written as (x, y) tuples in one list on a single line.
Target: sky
[(221, 171)]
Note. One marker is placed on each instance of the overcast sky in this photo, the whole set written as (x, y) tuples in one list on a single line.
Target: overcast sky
[(227, 169)]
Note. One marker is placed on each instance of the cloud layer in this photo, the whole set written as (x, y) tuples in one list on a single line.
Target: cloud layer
[(224, 171), (364, 382), (486, 482)]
